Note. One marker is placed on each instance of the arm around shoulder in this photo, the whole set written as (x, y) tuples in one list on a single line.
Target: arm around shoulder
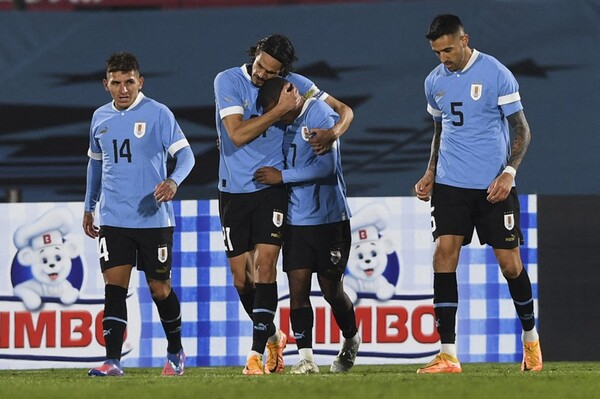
[(345, 113)]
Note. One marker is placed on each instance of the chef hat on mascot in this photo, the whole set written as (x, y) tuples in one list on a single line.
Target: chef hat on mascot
[(48, 229)]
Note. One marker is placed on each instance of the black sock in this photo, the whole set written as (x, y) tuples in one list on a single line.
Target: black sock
[(265, 306), (345, 319), (445, 303), (114, 322), (169, 311), (302, 320), (520, 291), (247, 300)]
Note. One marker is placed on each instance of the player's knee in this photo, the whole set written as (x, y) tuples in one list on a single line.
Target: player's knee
[(299, 302), (333, 296), (159, 290), (511, 270), (240, 286)]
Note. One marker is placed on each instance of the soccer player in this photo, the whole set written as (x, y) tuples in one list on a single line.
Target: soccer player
[(130, 138), (253, 214), (470, 178), (318, 224)]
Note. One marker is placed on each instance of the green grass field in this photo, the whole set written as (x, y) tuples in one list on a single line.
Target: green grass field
[(478, 380)]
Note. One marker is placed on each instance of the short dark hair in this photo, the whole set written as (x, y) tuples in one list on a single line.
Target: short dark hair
[(269, 92), (445, 24), (279, 47), (122, 62)]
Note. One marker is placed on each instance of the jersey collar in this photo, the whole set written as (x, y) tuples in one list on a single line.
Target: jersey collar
[(471, 61), (244, 69), (138, 99), (305, 106)]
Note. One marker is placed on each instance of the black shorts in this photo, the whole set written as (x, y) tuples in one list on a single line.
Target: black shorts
[(323, 248), (457, 211), (149, 249), (252, 218)]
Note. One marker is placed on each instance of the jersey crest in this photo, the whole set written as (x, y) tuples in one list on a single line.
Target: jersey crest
[(277, 218), (476, 91), (139, 129), (163, 253), (509, 221), (306, 133)]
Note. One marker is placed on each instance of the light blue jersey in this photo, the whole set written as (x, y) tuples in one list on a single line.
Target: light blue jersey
[(315, 182), (472, 106), (236, 94), (132, 146)]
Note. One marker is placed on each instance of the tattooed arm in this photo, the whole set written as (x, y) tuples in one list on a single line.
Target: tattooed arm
[(522, 138), (501, 186), (425, 185)]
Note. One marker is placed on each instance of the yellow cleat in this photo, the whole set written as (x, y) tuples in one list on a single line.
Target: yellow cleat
[(254, 366), (275, 354), (532, 356), (441, 363)]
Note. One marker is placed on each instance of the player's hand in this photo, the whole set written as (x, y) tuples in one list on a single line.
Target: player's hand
[(321, 140), (500, 188), (289, 99), (88, 225), (165, 191), (268, 175), (425, 185)]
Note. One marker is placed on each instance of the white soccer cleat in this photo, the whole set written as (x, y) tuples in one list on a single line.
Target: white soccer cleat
[(305, 367), (344, 361)]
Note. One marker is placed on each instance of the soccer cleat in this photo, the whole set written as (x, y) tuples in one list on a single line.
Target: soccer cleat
[(532, 356), (275, 354), (345, 359), (254, 366), (442, 363), (110, 368), (175, 364), (305, 367)]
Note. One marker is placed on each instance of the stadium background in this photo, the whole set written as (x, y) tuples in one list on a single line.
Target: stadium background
[(371, 55)]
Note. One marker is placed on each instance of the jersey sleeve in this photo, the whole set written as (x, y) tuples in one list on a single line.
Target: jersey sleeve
[(509, 99), (172, 135), (175, 142), (432, 107), (323, 166), (94, 150), (306, 87), (184, 165), (93, 184), (227, 95)]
